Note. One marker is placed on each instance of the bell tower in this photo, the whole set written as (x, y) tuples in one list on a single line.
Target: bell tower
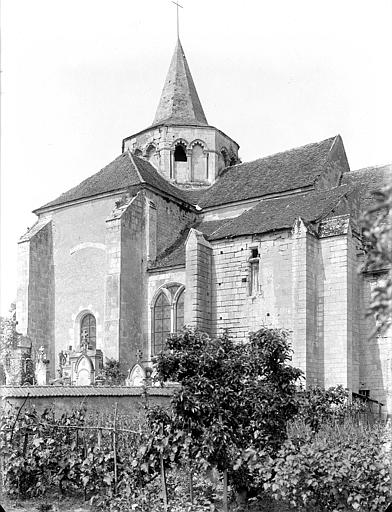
[(180, 143)]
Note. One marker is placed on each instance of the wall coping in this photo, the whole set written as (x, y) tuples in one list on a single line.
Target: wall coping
[(84, 391)]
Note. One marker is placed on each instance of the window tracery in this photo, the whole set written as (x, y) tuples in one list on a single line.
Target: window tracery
[(88, 331), (167, 315)]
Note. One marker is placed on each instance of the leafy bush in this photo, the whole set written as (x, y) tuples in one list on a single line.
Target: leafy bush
[(44, 452), (148, 496), (320, 406), (112, 373), (340, 468)]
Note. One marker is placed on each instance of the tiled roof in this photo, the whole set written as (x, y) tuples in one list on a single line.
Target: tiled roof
[(125, 171), (268, 215), (41, 223), (179, 103), (52, 391), (368, 180), (289, 170), (152, 177), (175, 254), (193, 194), (281, 212)]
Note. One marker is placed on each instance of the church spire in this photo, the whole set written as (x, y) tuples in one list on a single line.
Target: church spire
[(179, 103)]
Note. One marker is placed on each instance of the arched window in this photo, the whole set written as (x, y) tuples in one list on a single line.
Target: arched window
[(88, 331), (179, 307), (138, 152), (180, 154), (162, 322), (199, 168), (167, 315)]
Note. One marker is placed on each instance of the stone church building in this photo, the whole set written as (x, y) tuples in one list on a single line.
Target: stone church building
[(176, 230)]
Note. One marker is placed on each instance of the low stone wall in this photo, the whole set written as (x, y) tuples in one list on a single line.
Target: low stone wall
[(100, 399)]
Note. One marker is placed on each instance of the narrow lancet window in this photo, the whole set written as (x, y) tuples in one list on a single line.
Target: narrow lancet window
[(254, 264)]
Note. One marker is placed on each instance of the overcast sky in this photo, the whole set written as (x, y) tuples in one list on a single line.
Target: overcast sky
[(80, 75)]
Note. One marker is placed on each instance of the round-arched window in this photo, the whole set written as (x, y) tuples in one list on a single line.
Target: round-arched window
[(88, 331), (180, 154)]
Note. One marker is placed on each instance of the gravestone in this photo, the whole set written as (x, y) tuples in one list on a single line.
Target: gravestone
[(41, 367), (84, 371), (136, 376)]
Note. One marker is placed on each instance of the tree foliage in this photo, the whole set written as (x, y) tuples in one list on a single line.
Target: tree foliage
[(377, 231), (8, 334), (232, 396), (22, 371), (112, 373), (331, 406)]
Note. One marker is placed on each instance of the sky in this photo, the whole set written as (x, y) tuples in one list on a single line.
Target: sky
[(79, 76)]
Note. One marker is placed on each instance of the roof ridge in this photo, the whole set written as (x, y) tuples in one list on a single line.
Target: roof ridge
[(142, 180), (283, 152), (372, 167), (334, 201), (230, 221)]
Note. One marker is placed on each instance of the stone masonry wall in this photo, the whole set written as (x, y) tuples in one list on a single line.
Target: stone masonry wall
[(171, 220), (100, 401), (145, 225), (354, 306), (133, 287), (305, 266), (198, 281), (80, 269), (41, 292), (233, 308), (125, 299), (35, 296), (163, 138), (335, 296)]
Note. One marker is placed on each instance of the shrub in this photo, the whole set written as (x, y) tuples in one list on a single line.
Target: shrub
[(112, 373), (340, 468), (320, 406)]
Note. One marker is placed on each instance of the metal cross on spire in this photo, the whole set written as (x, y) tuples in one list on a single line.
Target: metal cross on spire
[(178, 22)]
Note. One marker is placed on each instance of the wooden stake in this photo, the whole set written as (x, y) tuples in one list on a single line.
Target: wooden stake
[(225, 500), (163, 480), (99, 432), (115, 447)]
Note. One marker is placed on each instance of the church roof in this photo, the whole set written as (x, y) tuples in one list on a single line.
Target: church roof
[(125, 171), (175, 254), (281, 212), (288, 170), (179, 103), (368, 180), (268, 215)]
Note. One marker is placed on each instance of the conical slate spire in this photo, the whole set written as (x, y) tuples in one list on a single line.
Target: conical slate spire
[(179, 103)]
